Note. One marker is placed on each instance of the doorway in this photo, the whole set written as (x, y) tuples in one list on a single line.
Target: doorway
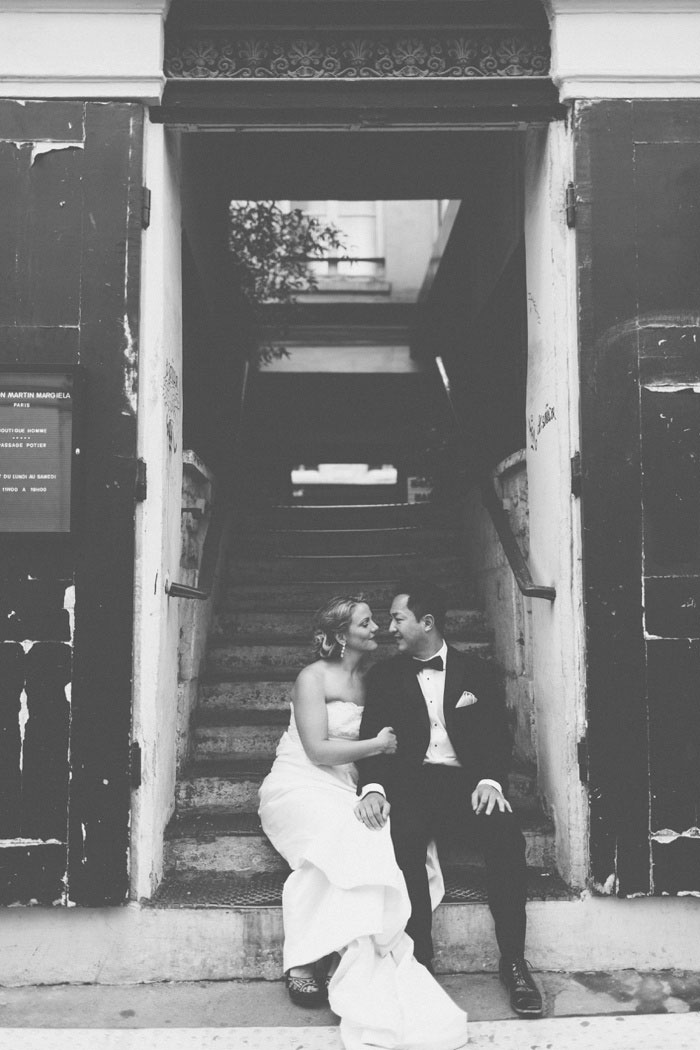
[(483, 191)]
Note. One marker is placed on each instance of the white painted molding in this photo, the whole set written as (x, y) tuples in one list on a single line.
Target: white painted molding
[(148, 90), (78, 7), (587, 7), (625, 48), (82, 49)]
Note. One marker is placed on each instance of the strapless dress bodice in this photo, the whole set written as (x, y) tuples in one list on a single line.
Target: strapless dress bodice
[(344, 719)]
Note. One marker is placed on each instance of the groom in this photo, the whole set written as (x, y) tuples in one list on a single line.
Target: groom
[(447, 776)]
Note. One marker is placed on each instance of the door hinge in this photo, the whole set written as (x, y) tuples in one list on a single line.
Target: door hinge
[(140, 481), (145, 207), (582, 755), (571, 206), (576, 475), (135, 764)]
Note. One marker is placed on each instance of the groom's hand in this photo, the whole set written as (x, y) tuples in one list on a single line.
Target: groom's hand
[(373, 810), (486, 797)]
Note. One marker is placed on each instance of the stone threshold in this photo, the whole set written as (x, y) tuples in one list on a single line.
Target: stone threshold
[(620, 1032)]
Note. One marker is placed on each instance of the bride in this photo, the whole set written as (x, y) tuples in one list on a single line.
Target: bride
[(346, 896)]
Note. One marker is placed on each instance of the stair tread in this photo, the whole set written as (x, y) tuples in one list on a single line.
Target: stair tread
[(235, 762), (299, 595), (234, 663), (207, 785), (375, 559), (309, 610), (464, 884), (233, 767), (236, 716), (352, 506), (342, 583), (270, 638), (314, 568), (205, 824), (470, 632), (357, 528), (263, 673), (330, 558)]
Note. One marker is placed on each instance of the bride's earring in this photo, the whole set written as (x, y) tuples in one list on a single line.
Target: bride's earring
[(342, 650)]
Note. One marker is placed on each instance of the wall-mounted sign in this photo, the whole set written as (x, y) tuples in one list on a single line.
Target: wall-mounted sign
[(36, 450)]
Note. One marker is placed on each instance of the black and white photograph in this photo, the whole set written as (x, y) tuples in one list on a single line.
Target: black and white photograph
[(350, 524)]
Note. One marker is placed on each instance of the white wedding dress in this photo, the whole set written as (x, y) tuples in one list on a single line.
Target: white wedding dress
[(346, 894)]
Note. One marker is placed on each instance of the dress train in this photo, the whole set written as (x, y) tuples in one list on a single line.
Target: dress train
[(346, 894)]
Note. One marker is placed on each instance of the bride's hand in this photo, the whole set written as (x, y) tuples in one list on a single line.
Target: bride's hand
[(386, 740)]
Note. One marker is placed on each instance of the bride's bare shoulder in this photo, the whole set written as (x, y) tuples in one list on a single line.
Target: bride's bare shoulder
[(311, 676)]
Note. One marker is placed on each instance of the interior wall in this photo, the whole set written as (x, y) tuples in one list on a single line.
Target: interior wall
[(508, 613), (198, 495), (409, 231), (475, 313), (218, 333), (158, 517), (555, 533)]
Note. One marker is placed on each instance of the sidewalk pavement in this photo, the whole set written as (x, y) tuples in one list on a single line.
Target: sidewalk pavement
[(650, 1032), (624, 1010)]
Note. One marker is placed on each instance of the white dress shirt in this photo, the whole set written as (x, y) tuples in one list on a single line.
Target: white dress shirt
[(440, 751), (432, 683)]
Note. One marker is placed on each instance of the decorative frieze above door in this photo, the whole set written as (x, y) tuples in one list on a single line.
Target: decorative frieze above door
[(236, 54), (246, 65)]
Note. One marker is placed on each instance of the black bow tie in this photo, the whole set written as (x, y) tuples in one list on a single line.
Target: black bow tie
[(433, 664)]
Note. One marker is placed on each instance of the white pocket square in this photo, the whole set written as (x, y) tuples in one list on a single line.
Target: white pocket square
[(466, 700)]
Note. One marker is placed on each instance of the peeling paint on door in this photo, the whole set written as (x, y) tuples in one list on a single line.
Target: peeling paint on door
[(72, 236), (638, 187)]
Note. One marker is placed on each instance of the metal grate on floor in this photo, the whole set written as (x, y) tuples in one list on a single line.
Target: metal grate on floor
[(264, 889), (217, 890)]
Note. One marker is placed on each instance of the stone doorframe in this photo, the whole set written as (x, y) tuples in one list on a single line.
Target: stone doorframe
[(467, 78)]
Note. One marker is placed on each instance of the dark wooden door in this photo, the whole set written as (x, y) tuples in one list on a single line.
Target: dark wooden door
[(70, 183), (638, 186)]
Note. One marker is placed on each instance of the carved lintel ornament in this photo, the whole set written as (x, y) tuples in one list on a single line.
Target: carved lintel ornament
[(342, 55)]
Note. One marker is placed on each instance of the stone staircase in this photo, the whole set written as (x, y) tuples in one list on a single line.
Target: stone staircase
[(216, 855)]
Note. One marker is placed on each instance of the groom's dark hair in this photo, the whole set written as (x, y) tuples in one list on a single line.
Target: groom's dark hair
[(425, 597)]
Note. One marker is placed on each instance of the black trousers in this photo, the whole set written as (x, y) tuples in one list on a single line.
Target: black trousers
[(437, 805)]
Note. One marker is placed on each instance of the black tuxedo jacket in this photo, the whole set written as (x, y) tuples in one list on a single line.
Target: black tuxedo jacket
[(478, 733)]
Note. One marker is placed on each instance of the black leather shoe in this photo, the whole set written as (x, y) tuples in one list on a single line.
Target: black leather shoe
[(525, 996), (306, 991)]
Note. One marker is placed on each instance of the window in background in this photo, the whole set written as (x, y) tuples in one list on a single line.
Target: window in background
[(344, 474), (360, 223)]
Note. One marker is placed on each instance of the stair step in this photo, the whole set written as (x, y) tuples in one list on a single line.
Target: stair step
[(235, 842), (463, 885), (312, 594), (212, 742), (350, 567), (232, 783), (215, 699), (290, 653), (235, 715), (249, 702), (405, 539), (467, 624), (355, 515), (203, 929)]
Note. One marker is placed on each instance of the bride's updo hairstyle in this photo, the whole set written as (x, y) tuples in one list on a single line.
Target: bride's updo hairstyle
[(331, 618)]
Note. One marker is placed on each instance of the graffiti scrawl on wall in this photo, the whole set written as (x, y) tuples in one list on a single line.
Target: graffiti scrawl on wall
[(535, 426)]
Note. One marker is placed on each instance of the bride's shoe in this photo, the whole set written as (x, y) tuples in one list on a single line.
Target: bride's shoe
[(306, 990)]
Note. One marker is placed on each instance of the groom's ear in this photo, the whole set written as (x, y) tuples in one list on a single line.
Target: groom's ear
[(428, 621)]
